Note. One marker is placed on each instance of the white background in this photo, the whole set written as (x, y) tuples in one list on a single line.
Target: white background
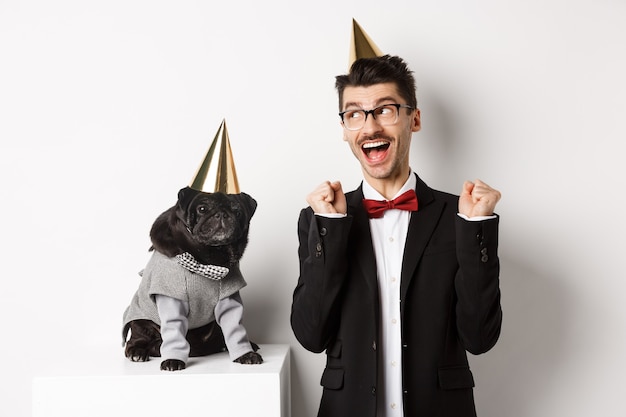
[(107, 108)]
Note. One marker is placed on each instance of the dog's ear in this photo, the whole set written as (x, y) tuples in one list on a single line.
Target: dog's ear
[(168, 228), (185, 197), (248, 203), (162, 234)]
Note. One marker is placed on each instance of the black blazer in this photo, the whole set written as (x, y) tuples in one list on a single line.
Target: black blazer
[(450, 304)]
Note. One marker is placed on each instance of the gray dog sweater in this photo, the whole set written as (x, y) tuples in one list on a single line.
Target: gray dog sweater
[(200, 294)]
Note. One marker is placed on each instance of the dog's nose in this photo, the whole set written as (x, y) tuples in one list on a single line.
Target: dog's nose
[(220, 215)]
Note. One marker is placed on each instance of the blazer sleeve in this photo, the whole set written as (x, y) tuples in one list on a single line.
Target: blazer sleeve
[(478, 309), (322, 254)]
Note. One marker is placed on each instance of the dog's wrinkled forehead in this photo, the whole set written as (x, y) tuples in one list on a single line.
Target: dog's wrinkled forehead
[(214, 201), (188, 197)]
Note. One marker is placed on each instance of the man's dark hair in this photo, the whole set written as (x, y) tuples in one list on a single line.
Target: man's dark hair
[(365, 72)]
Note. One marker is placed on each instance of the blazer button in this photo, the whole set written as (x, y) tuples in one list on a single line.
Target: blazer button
[(483, 251), (485, 258), (323, 231), (318, 250), (374, 345), (373, 390)]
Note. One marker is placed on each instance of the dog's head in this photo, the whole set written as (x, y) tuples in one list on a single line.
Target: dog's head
[(205, 224), (215, 219)]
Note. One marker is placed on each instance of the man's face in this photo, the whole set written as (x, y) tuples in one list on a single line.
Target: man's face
[(383, 151)]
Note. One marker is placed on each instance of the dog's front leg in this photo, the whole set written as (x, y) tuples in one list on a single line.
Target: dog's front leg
[(174, 325), (229, 315)]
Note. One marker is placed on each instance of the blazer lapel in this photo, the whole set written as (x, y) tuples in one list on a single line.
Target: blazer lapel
[(421, 228), (361, 240)]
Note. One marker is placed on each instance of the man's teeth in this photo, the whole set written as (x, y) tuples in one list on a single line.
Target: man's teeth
[(370, 145)]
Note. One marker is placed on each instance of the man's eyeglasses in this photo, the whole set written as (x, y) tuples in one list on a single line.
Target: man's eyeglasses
[(386, 115)]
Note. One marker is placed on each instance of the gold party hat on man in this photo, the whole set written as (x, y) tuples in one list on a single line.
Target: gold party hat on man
[(217, 171), (361, 45)]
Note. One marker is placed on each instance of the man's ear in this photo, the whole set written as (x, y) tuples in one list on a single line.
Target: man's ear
[(345, 131), (416, 121)]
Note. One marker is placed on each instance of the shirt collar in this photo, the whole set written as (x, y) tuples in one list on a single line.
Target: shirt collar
[(370, 193)]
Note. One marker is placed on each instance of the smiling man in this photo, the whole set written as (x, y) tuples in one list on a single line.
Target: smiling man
[(397, 280)]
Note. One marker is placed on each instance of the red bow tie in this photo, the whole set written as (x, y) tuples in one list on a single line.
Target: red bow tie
[(405, 201)]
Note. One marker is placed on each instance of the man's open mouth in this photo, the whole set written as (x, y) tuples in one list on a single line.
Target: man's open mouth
[(375, 150)]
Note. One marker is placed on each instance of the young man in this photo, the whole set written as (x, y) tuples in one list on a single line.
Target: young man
[(396, 298)]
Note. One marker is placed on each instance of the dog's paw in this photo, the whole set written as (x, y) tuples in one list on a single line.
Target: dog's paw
[(138, 355), (250, 358), (172, 365)]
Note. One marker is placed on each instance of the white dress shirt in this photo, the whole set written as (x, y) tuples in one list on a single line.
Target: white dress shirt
[(388, 238)]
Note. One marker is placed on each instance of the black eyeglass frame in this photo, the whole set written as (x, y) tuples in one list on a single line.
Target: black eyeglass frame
[(372, 112)]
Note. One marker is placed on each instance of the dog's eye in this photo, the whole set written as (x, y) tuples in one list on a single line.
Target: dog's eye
[(202, 209)]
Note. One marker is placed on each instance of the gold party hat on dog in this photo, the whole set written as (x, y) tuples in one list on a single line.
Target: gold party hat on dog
[(217, 171), (361, 45)]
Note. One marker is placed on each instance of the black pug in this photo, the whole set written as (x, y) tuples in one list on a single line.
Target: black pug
[(188, 302)]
